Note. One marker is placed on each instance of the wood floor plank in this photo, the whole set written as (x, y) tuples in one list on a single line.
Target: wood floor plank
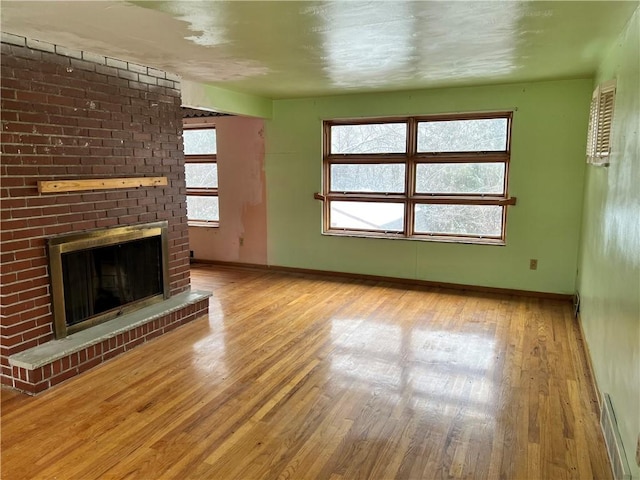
[(305, 377)]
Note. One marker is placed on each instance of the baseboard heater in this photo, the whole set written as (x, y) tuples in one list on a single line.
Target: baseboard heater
[(613, 441)]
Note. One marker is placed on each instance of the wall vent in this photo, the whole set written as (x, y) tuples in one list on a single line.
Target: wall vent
[(615, 449)]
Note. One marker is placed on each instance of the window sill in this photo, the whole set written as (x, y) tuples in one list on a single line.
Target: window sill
[(420, 238), (198, 223)]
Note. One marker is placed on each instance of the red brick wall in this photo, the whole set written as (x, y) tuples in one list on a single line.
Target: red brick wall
[(67, 115)]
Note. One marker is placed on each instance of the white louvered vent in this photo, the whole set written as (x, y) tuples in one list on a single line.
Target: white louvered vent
[(600, 123)]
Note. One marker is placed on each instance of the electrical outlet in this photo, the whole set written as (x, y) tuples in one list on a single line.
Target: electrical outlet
[(241, 241), (190, 253), (638, 451), (533, 264)]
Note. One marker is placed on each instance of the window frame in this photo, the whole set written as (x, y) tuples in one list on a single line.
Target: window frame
[(411, 158), (202, 124)]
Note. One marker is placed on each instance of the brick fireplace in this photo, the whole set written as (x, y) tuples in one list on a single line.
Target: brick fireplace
[(69, 114)]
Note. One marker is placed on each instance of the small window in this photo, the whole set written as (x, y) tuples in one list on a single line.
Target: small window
[(473, 135), (600, 122), (385, 217), (201, 168), (363, 177), (369, 138), (461, 178), (429, 178)]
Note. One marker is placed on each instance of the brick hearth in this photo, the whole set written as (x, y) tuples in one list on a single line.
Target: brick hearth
[(46, 365)]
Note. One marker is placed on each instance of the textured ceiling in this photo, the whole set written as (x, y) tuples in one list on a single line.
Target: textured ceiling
[(294, 49)]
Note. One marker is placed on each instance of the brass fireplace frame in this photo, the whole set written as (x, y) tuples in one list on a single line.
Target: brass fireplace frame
[(102, 238)]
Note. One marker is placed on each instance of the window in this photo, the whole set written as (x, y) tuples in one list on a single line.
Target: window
[(429, 178), (201, 174), (600, 122)]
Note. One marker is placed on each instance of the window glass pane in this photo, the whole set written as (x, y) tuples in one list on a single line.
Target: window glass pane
[(201, 175), (481, 220), (471, 178), (202, 208), (367, 216), (199, 141), (388, 177), (371, 138), (481, 135)]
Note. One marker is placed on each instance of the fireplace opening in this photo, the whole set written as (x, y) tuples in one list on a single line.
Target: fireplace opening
[(100, 279), (97, 276)]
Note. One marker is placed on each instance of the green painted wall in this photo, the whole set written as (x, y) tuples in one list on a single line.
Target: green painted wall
[(209, 97), (547, 174), (609, 281)]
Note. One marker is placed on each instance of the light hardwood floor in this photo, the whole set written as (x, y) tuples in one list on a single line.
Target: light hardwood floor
[(301, 377)]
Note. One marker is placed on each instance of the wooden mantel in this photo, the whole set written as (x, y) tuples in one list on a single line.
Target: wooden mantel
[(62, 186)]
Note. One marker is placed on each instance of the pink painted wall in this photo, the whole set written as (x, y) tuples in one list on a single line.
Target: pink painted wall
[(242, 191)]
